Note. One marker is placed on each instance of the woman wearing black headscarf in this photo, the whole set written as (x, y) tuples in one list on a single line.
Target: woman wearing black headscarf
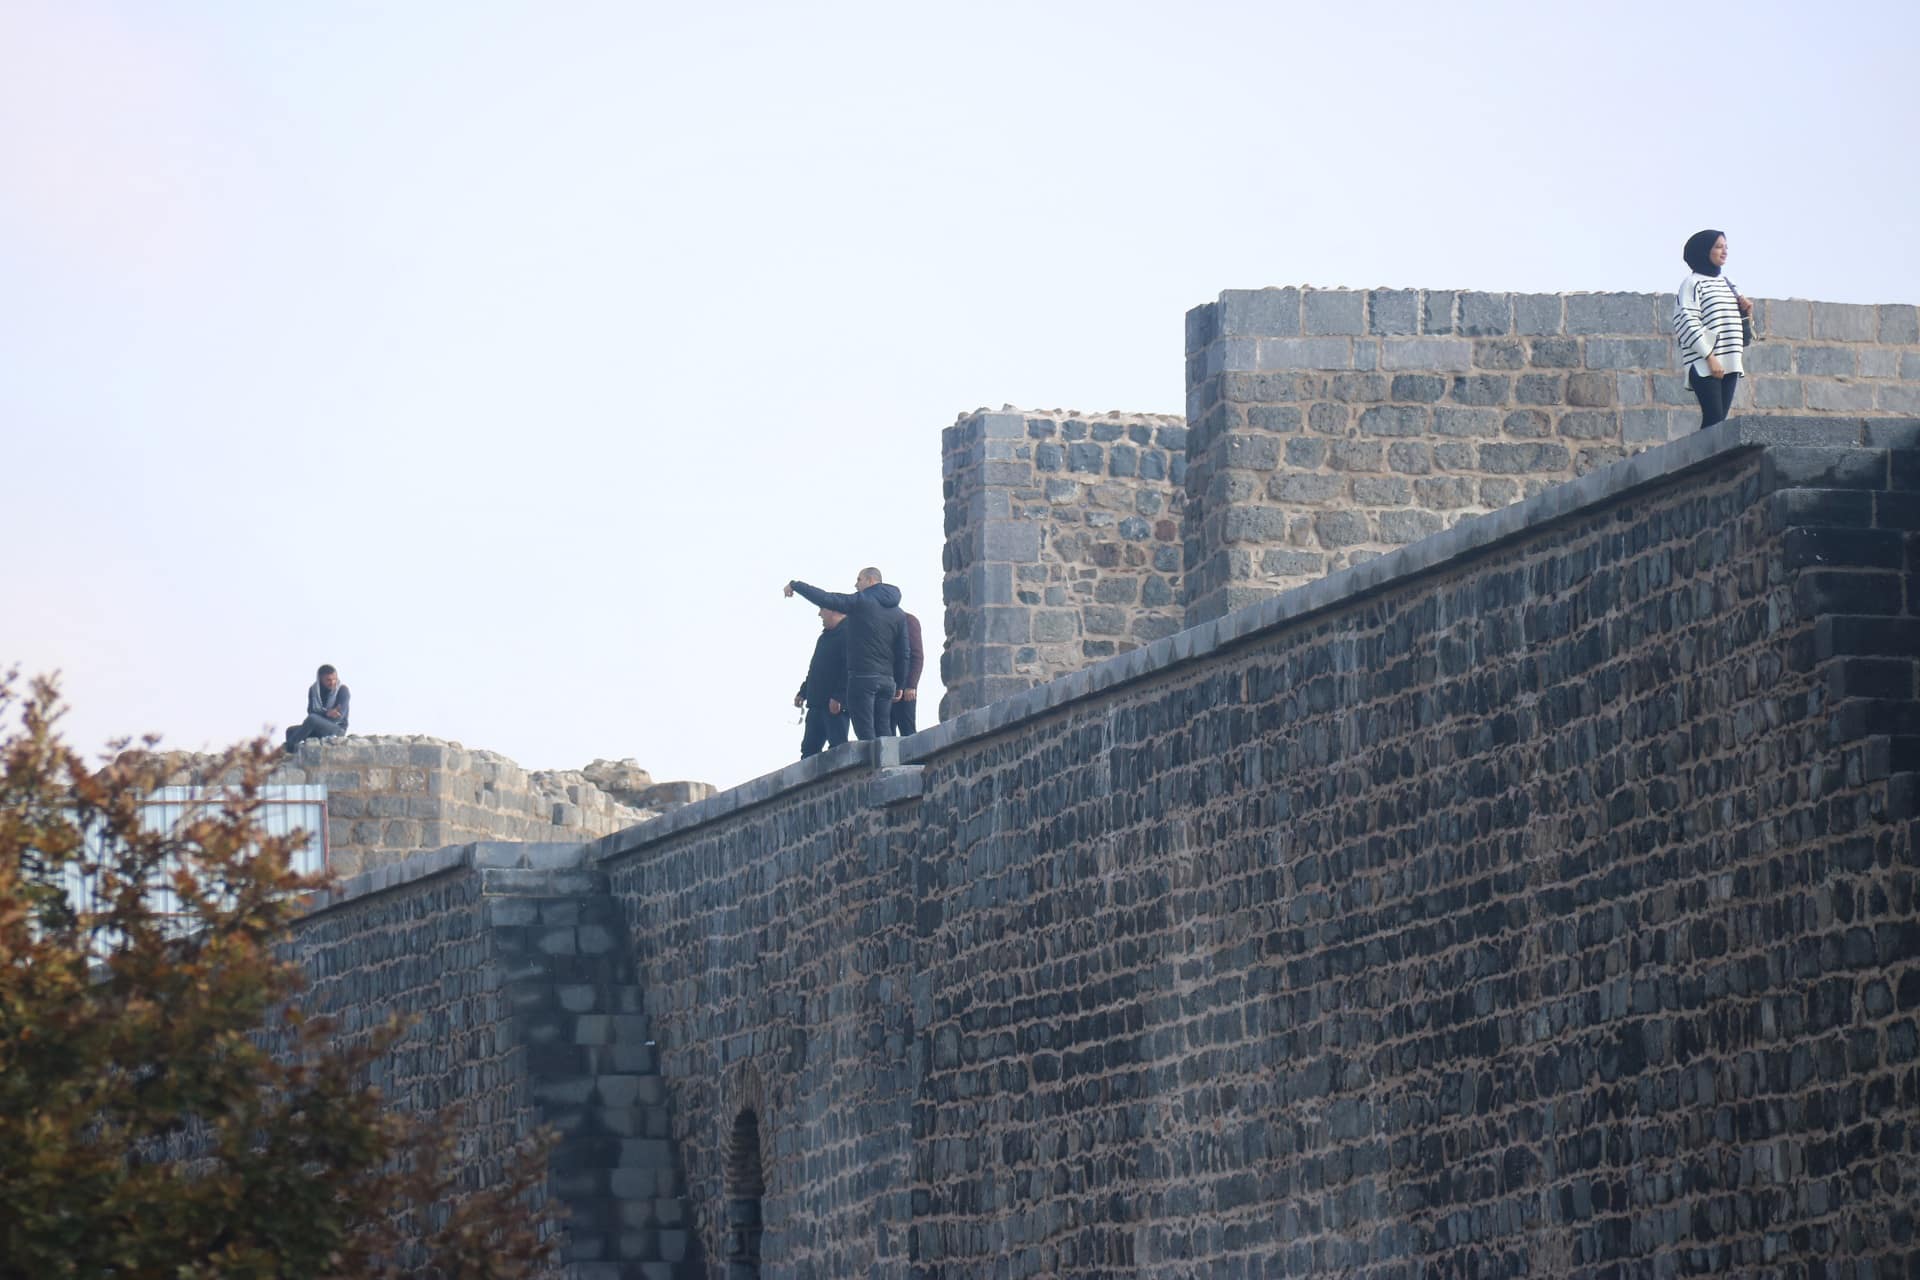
[(1706, 323)]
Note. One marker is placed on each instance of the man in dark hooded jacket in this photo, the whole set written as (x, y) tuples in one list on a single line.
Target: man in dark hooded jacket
[(876, 647)]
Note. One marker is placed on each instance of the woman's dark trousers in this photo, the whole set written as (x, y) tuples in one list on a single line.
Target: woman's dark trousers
[(1714, 394)]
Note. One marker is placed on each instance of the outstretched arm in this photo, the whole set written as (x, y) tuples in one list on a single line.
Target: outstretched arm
[(833, 600)]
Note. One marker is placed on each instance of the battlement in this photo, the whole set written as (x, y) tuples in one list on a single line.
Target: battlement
[(1326, 427)]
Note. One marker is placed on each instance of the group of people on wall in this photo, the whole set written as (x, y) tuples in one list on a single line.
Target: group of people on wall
[(867, 662), (865, 672)]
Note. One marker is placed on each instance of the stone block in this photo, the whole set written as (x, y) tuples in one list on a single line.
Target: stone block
[(1052, 626), (1876, 362), (1612, 313), (1451, 421), (1499, 353), (1409, 457), (1789, 318), (1232, 355), (1540, 388), (1202, 326), (1779, 393), (1481, 389), (1555, 353), (1590, 424), (1449, 354), (1337, 529), (1016, 542), (1629, 353), (1006, 624), (1086, 456), (1251, 452), (1899, 323), (1437, 311), (1824, 361), (1357, 388), (1631, 388), (1643, 426), (1355, 455), (1382, 491), (1281, 419), (1419, 388), (1306, 452), (1333, 311), (1518, 459), (1538, 313), (1772, 357), (1845, 322), (1499, 493), (1258, 313), (1293, 564), (1410, 525), (1329, 419), (1305, 489), (1394, 420), (1391, 311), (1486, 314), (1830, 396), (1254, 524), (1444, 493), (1672, 388), (1527, 424), (1590, 390), (1305, 353), (1897, 397)]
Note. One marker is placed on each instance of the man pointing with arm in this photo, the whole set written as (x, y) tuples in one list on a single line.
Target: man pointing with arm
[(876, 646)]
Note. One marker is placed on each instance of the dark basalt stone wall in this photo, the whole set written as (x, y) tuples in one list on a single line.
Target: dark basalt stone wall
[(1538, 899)]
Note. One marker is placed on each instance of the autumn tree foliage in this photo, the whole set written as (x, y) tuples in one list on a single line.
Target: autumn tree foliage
[(166, 1107)]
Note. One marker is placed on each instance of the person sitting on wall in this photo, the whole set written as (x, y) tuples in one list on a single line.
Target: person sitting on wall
[(823, 693), (327, 701), (906, 701), (876, 646)]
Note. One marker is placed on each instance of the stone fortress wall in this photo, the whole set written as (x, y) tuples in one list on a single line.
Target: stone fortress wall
[(1326, 426), (1540, 898)]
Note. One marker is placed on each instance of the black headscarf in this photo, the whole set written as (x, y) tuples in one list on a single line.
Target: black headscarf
[(1699, 246)]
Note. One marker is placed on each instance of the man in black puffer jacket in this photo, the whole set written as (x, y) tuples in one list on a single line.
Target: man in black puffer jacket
[(876, 647), (824, 690)]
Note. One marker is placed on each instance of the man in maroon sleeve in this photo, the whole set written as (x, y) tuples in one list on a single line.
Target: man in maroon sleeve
[(906, 701)]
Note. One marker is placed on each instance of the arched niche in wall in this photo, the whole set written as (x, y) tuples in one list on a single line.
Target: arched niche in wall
[(745, 1185)]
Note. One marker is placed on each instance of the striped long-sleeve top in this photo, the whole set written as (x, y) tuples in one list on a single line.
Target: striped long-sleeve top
[(1706, 322)]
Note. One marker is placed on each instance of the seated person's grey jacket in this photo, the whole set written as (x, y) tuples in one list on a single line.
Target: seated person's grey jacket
[(318, 723)]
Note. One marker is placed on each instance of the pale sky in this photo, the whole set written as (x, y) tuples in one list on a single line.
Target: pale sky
[(511, 356)]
